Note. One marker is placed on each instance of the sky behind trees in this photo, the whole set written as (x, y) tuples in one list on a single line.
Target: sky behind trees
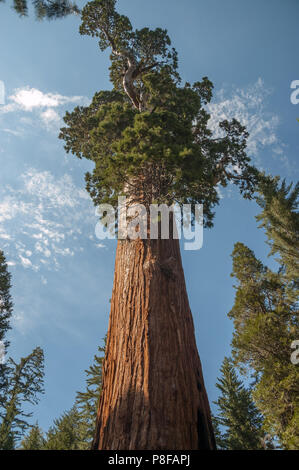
[(62, 275)]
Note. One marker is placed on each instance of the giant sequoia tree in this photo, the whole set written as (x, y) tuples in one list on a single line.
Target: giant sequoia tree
[(149, 140)]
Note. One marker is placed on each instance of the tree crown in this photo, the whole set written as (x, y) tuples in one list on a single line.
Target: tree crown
[(149, 135)]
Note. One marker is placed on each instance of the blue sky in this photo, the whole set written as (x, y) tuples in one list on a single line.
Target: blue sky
[(62, 275)]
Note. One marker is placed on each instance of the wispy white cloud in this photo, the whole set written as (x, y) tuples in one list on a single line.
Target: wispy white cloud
[(26, 263), (47, 107), (14, 132), (46, 219), (51, 118), (248, 106), (28, 99)]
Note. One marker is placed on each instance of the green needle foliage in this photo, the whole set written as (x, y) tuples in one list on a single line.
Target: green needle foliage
[(265, 312), (24, 384), (6, 309), (265, 315), (49, 9), (237, 414), (6, 304), (34, 440), (20, 383), (280, 219), (67, 432), (74, 430), (87, 402), (148, 137)]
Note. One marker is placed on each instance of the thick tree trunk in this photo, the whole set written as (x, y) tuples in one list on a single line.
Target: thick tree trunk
[(153, 395)]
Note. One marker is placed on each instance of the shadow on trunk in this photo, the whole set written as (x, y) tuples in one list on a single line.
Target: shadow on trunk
[(153, 395)]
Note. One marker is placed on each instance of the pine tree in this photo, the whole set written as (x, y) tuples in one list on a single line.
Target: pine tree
[(265, 315), (88, 401), (149, 140), (24, 384), (49, 9), (34, 440), (237, 414)]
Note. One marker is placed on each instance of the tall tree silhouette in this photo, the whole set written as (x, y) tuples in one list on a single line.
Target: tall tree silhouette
[(25, 381), (265, 312), (6, 308), (21, 382), (237, 413), (150, 142)]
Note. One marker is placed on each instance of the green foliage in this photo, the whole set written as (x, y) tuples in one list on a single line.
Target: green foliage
[(280, 219), (34, 440), (265, 315), (87, 402), (20, 383), (5, 298), (74, 430), (149, 135), (237, 414), (49, 9), (67, 432), (149, 49), (24, 384)]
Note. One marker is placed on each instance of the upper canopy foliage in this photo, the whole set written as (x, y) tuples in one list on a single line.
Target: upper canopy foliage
[(49, 9), (149, 135)]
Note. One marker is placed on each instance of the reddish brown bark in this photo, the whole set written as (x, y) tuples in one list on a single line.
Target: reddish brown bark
[(153, 389)]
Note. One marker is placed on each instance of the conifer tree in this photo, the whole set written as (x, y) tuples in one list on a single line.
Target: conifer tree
[(88, 401), (149, 140), (67, 433), (265, 315), (237, 413), (6, 307), (24, 384), (20, 383), (74, 430), (34, 440), (49, 9), (280, 219)]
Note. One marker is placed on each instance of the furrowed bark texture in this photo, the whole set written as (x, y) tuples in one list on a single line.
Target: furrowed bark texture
[(153, 395)]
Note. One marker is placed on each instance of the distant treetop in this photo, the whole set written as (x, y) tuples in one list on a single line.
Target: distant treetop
[(46, 9)]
